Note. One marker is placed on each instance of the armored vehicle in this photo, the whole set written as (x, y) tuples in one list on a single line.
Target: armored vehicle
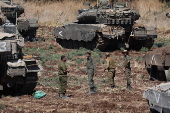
[(157, 63), (14, 14), (158, 98), (106, 25), (18, 73)]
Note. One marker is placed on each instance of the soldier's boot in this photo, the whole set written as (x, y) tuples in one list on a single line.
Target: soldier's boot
[(112, 86), (129, 86), (95, 89), (92, 90), (64, 96)]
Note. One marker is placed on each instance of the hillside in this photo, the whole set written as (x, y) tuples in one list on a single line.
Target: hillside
[(56, 13), (106, 100)]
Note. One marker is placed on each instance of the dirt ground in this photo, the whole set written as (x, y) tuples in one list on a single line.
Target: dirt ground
[(106, 100)]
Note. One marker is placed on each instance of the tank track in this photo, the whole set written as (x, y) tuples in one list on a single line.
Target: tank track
[(97, 43), (29, 84)]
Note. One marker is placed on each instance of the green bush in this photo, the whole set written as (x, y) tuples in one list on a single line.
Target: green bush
[(139, 58), (50, 46), (122, 48), (79, 61), (144, 49), (97, 51), (2, 106)]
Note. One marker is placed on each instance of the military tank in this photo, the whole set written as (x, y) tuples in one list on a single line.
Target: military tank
[(157, 63), (158, 98), (106, 25), (18, 73), (14, 14)]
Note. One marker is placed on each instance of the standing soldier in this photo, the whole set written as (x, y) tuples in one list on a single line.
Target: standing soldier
[(91, 69), (110, 67), (62, 71), (127, 68)]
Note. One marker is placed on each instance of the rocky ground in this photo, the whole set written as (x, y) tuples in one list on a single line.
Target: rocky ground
[(106, 100)]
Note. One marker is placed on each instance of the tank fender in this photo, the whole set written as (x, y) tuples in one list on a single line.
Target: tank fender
[(32, 65)]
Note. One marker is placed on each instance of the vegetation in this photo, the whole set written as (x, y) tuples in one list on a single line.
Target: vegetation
[(144, 49), (161, 42), (152, 11), (2, 106)]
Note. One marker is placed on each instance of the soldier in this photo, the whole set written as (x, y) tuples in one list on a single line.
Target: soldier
[(127, 68), (62, 71), (91, 69), (110, 67)]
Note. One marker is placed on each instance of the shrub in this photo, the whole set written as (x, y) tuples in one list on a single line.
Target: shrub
[(79, 61), (50, 46), (2, 106), (144, 49), (139, 58)]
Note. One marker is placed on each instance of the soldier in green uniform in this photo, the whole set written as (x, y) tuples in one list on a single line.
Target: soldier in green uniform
[(127, 68), (91, 69), (62, 71), (110, 67)]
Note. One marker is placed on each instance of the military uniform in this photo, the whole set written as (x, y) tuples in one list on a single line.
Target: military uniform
[(62, 77), (91, 69), (127, 71), (110, 66)]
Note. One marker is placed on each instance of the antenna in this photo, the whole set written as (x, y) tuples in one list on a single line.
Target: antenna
[(97, 3), (16, 27), (11, 2)]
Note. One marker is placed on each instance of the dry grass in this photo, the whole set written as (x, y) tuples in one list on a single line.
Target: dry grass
[(52, 14), (152, 13)]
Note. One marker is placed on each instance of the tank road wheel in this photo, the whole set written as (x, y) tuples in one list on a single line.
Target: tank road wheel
[(148, 43), (75, 44), (157, 72), (135, 44), (29, 83), (70, 44), (64, 43), (22, 85), (88, 45), (81, 44)]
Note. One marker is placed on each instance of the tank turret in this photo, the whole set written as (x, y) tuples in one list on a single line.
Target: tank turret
[(15, 13), (11, 10), (107, 24)]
